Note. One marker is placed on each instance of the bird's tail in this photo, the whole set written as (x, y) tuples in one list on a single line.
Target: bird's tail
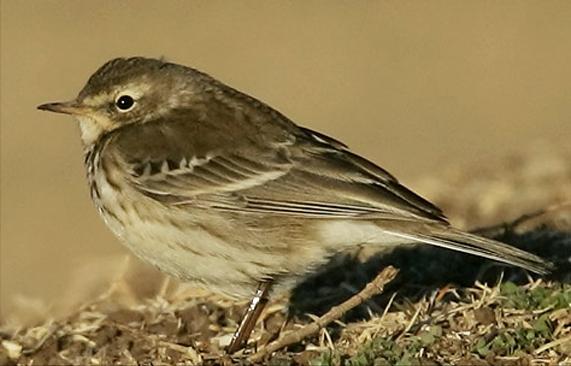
[(454, 239)]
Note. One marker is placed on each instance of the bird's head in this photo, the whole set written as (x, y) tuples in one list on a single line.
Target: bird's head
[(128, 90)]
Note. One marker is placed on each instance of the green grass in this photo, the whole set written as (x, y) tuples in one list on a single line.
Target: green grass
[(526, 319), (517, 297)]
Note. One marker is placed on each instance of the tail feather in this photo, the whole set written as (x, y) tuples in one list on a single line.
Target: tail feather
[(450, 238)]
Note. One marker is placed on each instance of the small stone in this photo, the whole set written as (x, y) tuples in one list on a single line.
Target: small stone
[(224, 341), (485, 316), (14, 349)]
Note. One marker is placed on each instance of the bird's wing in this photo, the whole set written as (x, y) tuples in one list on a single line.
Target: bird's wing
[(326, 179), (303, 174)]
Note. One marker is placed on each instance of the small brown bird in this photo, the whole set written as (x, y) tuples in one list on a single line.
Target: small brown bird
[(215, 187)]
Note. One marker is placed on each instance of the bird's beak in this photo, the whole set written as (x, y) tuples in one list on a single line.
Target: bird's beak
[(72, 107)]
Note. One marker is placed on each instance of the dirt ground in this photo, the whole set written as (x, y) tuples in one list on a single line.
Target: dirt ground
[(443, 308)]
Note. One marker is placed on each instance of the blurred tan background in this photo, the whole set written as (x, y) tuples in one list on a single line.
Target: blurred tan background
[(415, 86)]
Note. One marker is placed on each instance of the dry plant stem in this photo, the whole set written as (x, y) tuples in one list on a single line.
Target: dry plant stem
[(373, 288), (253, 312)]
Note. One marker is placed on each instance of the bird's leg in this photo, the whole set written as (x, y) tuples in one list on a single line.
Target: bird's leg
[(248, 321)]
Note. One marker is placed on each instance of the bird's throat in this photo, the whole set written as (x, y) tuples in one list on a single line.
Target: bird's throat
[(92, 128)]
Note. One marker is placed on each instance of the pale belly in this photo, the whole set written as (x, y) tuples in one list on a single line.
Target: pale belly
[(178, 242)]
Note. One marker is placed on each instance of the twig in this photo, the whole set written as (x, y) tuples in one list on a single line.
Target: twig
[(373, 288), (555, 343), (411, 323), (388, 305)]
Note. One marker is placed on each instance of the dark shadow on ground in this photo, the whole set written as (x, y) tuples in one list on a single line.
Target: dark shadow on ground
[(425, 269)]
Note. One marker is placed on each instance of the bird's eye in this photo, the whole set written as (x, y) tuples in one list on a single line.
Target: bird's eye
[(124, 103)]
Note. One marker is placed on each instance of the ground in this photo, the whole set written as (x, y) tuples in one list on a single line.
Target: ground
[(443, 308)]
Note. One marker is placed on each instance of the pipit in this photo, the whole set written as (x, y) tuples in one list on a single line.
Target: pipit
[(213, 186)]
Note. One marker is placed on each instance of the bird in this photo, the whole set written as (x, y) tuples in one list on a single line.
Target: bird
[(217, 188)]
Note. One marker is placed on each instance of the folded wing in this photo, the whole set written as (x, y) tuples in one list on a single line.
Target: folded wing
[(307, 174)]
